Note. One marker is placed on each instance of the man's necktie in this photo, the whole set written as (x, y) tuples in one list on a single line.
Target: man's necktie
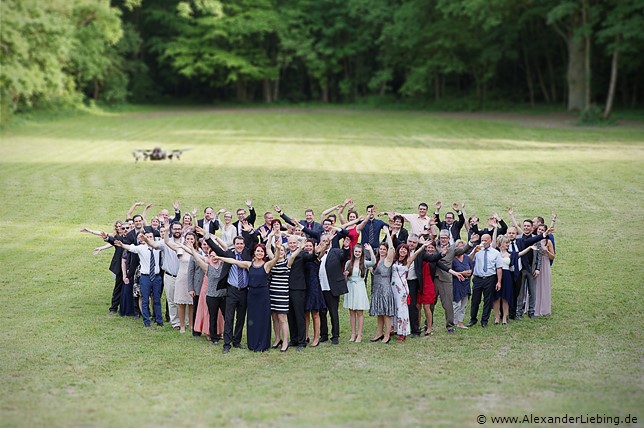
[(240, 273), (371, 232), (152, 265), (485, 260)]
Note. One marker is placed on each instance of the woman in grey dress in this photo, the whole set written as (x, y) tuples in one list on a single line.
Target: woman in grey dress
[(383, 304)]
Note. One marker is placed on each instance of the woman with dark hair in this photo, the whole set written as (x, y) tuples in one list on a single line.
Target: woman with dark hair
[(258, 332), (278, 286), (314, 298), (403, 260), (383, 303), (398, 232), (356, 300), (353, 232)]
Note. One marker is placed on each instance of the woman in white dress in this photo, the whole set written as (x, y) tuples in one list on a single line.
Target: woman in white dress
[(399, 269)]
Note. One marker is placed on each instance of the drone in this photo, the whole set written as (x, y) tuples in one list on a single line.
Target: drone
[(157, 154)]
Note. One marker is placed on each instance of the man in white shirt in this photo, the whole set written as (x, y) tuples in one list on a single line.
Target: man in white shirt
[(488, 268), (150, 280)]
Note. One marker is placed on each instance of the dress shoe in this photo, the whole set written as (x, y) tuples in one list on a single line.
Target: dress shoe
[(386, 340), (484, 325), (504, 323), (284, 349), (300, 348), (450, 330), (147, 325), (215, 341), (471, 323), (415, 335), (323, 339), (496, 323), (277, 345), (314, 344), (334, 341), (531, 316), (401, 338), (238, 346), (376, 339), (226, 349), (160, 324), (292, 343)]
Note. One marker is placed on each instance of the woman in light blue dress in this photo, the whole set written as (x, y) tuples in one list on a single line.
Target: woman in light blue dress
[(356, 300)]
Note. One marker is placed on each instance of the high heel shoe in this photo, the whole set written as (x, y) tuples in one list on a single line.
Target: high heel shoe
[(277, 345), (359, 338), (401, 338), (376, 339), (314, 344), (386, 340), (284, 349), (353, 338)]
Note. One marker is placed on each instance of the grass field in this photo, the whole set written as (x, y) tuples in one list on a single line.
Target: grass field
[(65, 362)]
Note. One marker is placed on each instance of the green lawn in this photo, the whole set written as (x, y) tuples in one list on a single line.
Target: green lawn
[(65, 362)]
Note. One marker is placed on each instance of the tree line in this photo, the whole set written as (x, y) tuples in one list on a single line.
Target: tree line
[(575, 53)]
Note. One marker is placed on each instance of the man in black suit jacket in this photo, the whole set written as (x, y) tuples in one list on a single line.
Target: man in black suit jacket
[(116, 267), (297, 294), (333, 284), (454, 228), (308, 224), (209, 221), (237, 290), (241, 215)]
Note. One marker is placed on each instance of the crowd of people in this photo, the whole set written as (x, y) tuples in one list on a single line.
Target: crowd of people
[(219, 275)]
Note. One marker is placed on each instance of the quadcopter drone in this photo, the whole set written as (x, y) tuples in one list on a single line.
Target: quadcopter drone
[(156, 154)]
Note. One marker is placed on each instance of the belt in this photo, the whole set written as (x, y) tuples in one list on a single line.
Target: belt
[(483, 277), (169, 274)]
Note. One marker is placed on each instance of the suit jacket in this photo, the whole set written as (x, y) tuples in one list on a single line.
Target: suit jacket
[(314, 232), (246, 255), (115, 264), (528, 260), (456, 226), (213, 226), (195, 276), (335, 261), (400, 237), (250, 218), (503, 228), (296, 278)]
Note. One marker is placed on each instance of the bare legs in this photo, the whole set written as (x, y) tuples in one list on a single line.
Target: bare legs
[(352, 322), (277, 330), (181, 313), (283, 325), (428, 317), (506, 307)]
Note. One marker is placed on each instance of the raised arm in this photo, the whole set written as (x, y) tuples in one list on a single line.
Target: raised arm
[(391, 251), (328, 211), (92, 231), (240, 263), (196, 257), (97, 250), (514, 220), (144, 214), (415, 254), (130, 212), (272, 262), (466, 222), (296, 253)]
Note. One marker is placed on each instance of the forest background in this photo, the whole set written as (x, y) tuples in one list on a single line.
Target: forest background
[(581, 55)]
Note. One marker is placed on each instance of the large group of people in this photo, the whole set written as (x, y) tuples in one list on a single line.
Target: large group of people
[(219, 275)]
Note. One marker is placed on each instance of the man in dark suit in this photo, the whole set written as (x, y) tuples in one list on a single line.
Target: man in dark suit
[(236, 279), (208, 223), (454, 228), (333, 284), (308, 224), (297, 294), (241, 215)]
